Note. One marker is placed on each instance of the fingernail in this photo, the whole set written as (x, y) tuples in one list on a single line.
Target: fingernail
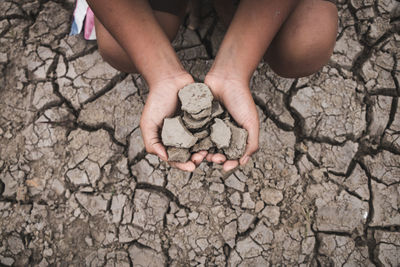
[(190, 169), (229, 168), (203, 153)]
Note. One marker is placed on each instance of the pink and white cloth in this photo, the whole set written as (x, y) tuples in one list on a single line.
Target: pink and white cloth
[(83, 19)]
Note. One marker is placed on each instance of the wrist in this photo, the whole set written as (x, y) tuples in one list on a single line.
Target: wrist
[(222, 76), (221, 82), (227, 69), (166, 72), (173, 80)]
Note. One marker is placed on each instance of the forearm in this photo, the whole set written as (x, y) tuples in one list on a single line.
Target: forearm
[(134, 26), (252, 29)]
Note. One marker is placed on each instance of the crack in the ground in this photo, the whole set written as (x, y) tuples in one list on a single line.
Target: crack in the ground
[(101, 126), (345, 188), (108, 87), (83, 53), (270, 115), (365, 54), (392, 114), (206, 41), (56, 91), (299, 127), (368, 232), (317, 246), (163, 191), (368, 173)]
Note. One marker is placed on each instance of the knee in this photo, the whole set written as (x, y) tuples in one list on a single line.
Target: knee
[(303, 59), (306, 50), (113, 54)]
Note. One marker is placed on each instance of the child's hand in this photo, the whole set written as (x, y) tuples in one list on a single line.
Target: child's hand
[(236, 97), (162, 102)]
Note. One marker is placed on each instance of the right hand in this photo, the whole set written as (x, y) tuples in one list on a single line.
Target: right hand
[(162, 102)]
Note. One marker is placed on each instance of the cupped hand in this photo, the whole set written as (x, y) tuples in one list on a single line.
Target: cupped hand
[(162, 102), (236, 97)]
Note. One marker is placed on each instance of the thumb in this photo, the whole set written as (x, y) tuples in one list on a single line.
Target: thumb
[(152, 141), (160, 151), (252, 143)]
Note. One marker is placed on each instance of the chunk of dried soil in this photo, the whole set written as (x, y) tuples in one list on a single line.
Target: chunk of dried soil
[(178, 154), (220, 134), (189, 132), (193, 124), (175, 134), (195, 98), (238, 143), (204, 144)]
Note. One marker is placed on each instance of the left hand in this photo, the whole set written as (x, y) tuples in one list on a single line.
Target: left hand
[(236, 97)]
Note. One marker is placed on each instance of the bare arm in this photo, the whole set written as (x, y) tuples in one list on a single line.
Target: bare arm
[(252, 29), (134, 26)]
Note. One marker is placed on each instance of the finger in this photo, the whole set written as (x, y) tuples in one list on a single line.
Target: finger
[(209, 157), (186, 166), (218, 158), (160, 151), (230, 164), (252, 144), (198, 157)]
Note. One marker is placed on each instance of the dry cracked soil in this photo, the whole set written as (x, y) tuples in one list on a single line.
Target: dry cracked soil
[(78, 189)]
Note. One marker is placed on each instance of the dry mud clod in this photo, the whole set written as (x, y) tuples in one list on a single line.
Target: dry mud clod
[(194, 124), (175, 134), (238, 142), (198, 127), (178, 154), (220, 134), (195, 98), (204, 144)]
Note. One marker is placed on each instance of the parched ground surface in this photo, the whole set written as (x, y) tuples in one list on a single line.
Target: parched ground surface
[(77, 188)]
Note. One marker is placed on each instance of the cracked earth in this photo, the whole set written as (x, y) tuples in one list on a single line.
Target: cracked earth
[(78, 188)]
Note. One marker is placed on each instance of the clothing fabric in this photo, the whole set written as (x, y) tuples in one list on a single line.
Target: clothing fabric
[(83, 17), (173, 7)]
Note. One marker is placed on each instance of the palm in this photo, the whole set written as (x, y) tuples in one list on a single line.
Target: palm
[(159, 104), (237, 99), (239, 103), (162, 102)]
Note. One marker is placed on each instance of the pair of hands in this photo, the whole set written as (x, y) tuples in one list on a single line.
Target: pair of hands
[(162, 102)]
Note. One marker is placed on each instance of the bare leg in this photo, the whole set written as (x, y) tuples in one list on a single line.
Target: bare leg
[(305, 41), (254, 27), (116, 56)]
